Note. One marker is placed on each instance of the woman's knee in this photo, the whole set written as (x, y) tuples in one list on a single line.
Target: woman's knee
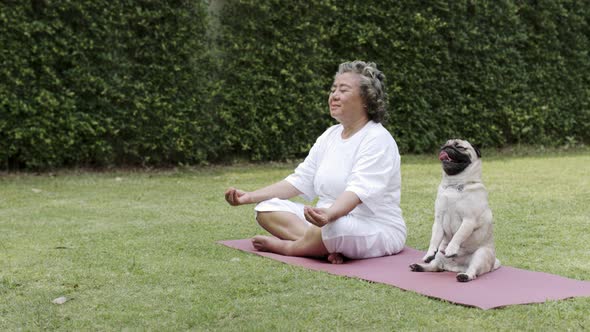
[(262, 218), (284, 225)]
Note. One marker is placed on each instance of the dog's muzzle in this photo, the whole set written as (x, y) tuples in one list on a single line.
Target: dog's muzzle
[(453, 160)]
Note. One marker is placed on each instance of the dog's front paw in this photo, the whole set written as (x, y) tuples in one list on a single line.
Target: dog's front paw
[(451, 251), (463, 277), (429, 256), (416, 268)]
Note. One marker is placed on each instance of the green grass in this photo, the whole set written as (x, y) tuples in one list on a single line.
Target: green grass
[(137, 250)]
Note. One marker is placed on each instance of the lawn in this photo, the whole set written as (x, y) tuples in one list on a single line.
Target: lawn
[(137, 250)]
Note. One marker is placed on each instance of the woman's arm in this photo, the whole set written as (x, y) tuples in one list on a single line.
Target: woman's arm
[(343, 205), (281, 189)]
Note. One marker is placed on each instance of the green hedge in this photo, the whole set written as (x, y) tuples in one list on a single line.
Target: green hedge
[(103, 83), (163, 82), (494, 72)]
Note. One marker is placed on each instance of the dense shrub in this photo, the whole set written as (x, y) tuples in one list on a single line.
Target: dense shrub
[(496, 73), (275, 78), (163, 82), (103, 82)]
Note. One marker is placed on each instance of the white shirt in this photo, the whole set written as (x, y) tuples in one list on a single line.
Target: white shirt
[(367, 164)]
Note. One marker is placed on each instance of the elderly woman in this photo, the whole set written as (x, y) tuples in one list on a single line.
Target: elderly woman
[(354, 170)]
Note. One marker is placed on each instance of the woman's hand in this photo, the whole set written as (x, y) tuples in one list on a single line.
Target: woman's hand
[(237, 197), (317, 216)]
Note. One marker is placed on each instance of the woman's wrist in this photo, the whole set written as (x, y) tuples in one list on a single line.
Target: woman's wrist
[(330, 215), (253, 197)]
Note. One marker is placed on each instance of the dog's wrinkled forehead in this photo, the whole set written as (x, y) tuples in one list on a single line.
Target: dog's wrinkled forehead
[(465, 146)]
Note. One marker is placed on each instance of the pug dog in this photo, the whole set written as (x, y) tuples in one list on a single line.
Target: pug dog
[(462, 235)]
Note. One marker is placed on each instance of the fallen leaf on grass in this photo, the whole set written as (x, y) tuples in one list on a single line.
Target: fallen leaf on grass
[(60, 300), (36, 191)]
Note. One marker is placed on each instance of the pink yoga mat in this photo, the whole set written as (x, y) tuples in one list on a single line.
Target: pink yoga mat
[(503, 287)]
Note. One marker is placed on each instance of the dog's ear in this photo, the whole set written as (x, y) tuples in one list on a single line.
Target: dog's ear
[(477, 151)]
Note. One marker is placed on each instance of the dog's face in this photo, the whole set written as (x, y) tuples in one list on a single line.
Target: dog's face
[(456, 155)]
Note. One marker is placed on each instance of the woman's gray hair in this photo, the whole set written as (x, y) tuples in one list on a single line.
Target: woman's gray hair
[(372, 85)]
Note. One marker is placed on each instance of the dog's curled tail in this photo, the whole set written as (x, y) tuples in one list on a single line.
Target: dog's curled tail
[(496, 264)]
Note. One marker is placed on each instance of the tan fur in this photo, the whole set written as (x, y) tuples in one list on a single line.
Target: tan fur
[(462, 235)]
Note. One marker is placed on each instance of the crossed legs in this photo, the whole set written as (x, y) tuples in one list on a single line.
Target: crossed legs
[(292, 237)]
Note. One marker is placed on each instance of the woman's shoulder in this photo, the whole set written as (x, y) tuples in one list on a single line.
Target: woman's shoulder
[(378, 131), (378, 137), (328, 136), (331, 131)]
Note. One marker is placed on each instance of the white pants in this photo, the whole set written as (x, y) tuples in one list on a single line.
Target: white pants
[(350, 236)]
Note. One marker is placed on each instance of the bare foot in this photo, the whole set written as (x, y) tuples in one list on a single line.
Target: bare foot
[(336, 258), (270, 243)]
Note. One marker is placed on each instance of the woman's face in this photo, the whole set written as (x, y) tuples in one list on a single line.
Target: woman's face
[(346, 104)]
